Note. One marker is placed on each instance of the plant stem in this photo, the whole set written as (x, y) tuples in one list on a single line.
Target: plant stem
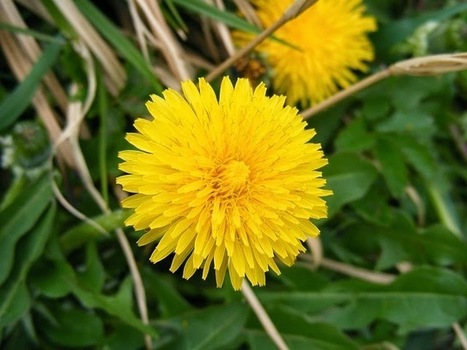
[(286, 17), (362, 84), (263, 317)]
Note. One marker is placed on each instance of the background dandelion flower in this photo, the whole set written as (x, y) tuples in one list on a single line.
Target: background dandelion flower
[(229, 182), (328, 43)]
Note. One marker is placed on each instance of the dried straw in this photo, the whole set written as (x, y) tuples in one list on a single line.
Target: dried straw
[(170, 48), (31, 48), (420, 66), (114, 70), (21, 65), (293, 11)]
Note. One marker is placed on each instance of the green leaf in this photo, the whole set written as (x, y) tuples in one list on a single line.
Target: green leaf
[(355, 137), (211, 328), (113, 305), (32, 33), (124, 338), (16, 103), (170, 301), (118, 40), (397, 31), (19, 217), (445, 205), (392, 164), (301, 278), (83, 232), (442, 247), (291, 322), (119, 305), (93, 275), (74, 328), (400, 241), (210, 11), (258, 340), (47, 279), (16, 305), (349, 177), (374, 206), (423, 297), (413, 120), (418, 155), (32, 247), (376, 105)]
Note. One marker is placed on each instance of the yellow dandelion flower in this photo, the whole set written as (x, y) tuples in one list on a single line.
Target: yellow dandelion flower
[(328, 43), (230, 182)]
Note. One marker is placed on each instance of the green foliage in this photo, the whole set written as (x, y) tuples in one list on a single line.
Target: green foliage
[(16, 102), (397, 169)]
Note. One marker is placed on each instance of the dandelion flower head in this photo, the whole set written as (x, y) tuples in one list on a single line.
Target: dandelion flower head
[(229, 182), (327, 44)]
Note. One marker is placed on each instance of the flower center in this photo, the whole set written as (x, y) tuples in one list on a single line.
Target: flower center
[(233, 176)]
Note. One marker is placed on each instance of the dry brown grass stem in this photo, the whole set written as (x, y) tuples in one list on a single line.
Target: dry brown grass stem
[(350, 270), (316, 250), (263, 317), (420, 66), (248, 12), (72, 210), (211, 47), (21, 66), (363, 274), (106, 56), (76, 114), (170, 47), (297, 8), (223, 31), (430, 65), (419, 204), (140, 29), (11, 15), (362, 84), (373, 277), (37, 8), (460, 334)]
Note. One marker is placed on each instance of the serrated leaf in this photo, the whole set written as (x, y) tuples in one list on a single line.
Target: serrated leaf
[(112, 305), (74, 328), (349, 177), (423, 297), (32, 246), (16, 304), (374, 206), (93, 275), (418, 155), (400, 240), (19, 217), (124, 337), (301, 278), (170, 301), (392, 164), (211, 328), (47, 279), (295, 323), (355, 137), (258, 340), (408, 121)]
